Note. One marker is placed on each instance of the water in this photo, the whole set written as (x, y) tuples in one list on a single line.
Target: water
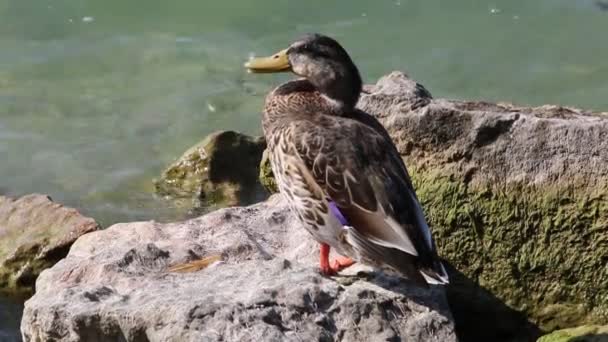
[(96, 97), (10, 317)]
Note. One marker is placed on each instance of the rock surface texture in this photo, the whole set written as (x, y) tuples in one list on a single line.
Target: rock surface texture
[(115, 285), (35, 233), (221, 170)]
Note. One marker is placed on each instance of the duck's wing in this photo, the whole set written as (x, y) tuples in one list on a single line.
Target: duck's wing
[(360, 170)]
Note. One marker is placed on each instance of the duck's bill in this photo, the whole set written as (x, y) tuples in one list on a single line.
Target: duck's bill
[(276, 63)]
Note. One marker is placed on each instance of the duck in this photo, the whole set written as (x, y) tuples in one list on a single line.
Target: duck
[(338, 168)]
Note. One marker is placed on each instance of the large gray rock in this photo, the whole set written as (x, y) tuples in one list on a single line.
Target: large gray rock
[(491, 143), (35, 233), (116, 285)]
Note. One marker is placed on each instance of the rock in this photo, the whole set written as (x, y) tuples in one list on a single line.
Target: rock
[(588, 333), (517, 198), (115, 284), (222, 169), (35, 233), (484, 143)]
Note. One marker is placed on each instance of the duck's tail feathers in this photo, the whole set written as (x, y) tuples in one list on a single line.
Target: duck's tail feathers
[(436, 278)]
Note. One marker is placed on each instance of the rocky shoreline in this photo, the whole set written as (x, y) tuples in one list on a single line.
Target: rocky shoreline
[(517, 198), (117, 284)]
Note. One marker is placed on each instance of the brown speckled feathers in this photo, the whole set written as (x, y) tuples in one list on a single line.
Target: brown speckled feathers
[(338, 167), (348, 158)]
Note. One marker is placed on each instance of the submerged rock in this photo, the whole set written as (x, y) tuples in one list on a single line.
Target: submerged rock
[(117, 284), (35, 233), (222, 169), (587, 333)]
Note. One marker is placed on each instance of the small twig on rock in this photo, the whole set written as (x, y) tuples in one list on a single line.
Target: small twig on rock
[(195, 265)]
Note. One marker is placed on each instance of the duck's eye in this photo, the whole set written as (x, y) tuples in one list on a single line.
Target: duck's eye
[(275, 56)]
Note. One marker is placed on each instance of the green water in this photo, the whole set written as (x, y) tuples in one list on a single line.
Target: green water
[(96, 97)]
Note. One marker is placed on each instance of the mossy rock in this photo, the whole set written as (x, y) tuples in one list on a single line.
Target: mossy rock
[(221, 170), (35, 233), (266, 176), (541, 251), (586, 333)]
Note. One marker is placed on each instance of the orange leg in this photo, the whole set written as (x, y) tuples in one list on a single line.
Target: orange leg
[(324, 260), (338, 264)]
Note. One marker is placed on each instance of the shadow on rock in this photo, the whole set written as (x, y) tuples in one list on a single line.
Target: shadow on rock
[(481, 316), (404, 287)]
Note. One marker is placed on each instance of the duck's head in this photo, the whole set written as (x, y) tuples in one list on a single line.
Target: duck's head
[(323, 62)]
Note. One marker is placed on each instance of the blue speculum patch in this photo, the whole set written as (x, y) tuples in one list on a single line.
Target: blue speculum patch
[(334, 209)]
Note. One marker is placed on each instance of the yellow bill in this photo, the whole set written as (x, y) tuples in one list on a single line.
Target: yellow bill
[(276, 63)]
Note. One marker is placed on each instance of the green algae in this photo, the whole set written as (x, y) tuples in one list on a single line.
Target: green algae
[(586, 333), (266, 176), (542, 250)]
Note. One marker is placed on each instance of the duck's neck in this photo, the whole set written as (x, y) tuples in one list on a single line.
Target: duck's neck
[(341, 88)]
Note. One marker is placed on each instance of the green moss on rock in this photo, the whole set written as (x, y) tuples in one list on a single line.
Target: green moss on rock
[(541, 250), (586, 333), (266, 176)]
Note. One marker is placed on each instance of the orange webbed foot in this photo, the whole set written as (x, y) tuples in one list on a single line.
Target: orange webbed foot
[(339, 263)]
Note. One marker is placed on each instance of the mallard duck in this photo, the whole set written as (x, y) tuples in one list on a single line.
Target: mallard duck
[(338, 168)]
